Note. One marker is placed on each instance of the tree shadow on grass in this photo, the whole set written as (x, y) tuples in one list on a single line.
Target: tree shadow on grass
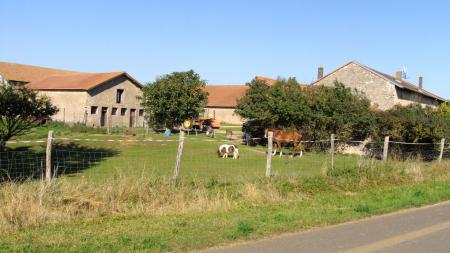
[(23, 163)]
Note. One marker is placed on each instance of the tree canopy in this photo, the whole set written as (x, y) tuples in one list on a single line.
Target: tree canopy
[(20, 110), (174, 98), (316, 110)]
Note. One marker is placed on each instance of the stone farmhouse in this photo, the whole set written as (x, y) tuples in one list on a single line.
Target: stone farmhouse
[(383, 90), (93, 99)]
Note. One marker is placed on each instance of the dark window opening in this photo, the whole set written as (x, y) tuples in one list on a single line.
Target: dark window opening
[(119, 96), (141, 112), (94, 109), (123, 111), (114, 111)]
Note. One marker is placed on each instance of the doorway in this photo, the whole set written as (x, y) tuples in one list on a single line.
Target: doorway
[(103, 115), (132, 117)]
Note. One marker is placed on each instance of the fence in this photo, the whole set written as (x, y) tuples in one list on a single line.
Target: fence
[(195, 156)]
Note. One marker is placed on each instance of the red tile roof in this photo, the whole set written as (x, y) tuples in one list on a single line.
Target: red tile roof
[(28, 73), (40, 78), (225, 95), (81, 81)]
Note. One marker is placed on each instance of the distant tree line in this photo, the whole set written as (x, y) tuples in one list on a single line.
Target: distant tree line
[(320, 110)]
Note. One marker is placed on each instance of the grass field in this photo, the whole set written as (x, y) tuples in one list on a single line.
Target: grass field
[(117, 196)]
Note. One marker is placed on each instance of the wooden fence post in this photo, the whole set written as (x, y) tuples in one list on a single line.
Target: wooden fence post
[(385, 148), (176, 171), (441, 154), (48, 157), (269, 153), (332, 151)]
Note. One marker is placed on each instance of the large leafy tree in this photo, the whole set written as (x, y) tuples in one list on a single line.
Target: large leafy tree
[(413, 123), (281, 105), (340, 110), (317, 110), (20, 110), (174, 98)]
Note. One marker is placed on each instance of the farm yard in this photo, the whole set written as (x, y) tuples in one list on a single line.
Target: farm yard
[(117, 190)]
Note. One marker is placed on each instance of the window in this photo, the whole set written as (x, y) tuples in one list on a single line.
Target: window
[(141, 112), (114, 111), (123, 111), (119, 96), (94, 109)]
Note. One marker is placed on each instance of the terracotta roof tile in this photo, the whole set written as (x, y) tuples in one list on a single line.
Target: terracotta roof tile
[(225, 95), (80, 81), (28, 73), (41, 78)]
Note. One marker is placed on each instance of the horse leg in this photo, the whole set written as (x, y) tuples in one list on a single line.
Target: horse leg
[(281, 150), (274, 152)]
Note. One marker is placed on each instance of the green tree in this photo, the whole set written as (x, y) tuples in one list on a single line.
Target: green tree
[(413, 123), (281, 105), (20, 110), (174, 98), (339, 110), (316, 110)]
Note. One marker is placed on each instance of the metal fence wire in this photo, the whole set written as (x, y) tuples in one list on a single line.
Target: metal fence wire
[(101, 158)]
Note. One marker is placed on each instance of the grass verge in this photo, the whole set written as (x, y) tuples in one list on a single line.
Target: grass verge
[(157, 215)]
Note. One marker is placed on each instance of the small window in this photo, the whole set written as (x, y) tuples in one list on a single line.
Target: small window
[(123, 111), (114, 111), (94, 109), (119, 96), (141, 112)]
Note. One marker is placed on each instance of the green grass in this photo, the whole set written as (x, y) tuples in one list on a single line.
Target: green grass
[(199, 230), (215, 201)]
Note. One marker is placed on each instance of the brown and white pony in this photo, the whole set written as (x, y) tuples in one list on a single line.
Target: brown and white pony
[(225, 150), (282, 138)]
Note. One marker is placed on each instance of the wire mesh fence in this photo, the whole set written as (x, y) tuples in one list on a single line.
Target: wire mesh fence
[(101, 158)]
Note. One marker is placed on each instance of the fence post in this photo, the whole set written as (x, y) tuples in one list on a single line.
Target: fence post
[(385, 148), (332, 151), (269, 153), (48, 157), (442, 150), (176, 171)]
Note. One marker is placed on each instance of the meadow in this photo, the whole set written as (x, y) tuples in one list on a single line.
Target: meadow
[(114, 193)]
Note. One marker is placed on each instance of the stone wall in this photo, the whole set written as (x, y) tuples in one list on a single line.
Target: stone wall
[(71, 105), (379, 91), (224, 115), (117, 114)]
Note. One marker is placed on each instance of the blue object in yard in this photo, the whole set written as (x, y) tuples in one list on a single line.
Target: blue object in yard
[(167, 133)]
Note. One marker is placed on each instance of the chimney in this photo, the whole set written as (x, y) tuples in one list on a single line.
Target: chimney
[(399, 75), (420, 82), (319, 72)]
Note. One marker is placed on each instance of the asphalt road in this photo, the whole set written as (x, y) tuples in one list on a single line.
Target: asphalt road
[(424, 229)]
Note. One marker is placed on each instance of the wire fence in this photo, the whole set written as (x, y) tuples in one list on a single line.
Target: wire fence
[(100, 158)]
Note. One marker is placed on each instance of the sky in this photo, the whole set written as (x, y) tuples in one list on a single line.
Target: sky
[(230, 42)]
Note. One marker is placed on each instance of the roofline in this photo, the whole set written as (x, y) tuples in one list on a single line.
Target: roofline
[(222, 106), (381, 76), (134, 81)]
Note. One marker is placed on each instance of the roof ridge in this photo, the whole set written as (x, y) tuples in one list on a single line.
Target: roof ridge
[(410, 86), (41, 67)]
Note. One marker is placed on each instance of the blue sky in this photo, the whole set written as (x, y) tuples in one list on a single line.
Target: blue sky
[(229, 42)]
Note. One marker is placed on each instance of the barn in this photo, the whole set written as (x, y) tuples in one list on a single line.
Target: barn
[(92, 99)]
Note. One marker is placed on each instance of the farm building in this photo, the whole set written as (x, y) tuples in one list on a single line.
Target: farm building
[(222, 101), (383, 90), (93, 99)]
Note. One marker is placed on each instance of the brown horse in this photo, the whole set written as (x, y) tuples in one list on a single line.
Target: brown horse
[(282, 138)]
